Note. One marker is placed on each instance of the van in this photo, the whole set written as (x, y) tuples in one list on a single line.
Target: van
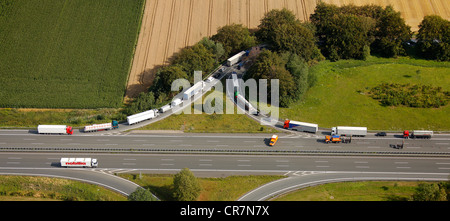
[(273, 140)]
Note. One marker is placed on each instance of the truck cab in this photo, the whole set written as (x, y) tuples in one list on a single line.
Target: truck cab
[(333, 139), (273, 140)]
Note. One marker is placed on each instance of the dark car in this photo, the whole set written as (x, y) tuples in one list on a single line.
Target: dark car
[(381, 134)]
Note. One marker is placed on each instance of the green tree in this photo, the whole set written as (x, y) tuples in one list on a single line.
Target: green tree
[(141, 194), (186, 186), (145, 101), (282, 31), (434, 38), (165, 76), (391, 33), (195, 58), (216, 48), (269, 65), (429, 192), (234, 38)]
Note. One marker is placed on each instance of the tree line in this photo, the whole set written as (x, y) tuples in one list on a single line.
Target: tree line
[(333, 33)]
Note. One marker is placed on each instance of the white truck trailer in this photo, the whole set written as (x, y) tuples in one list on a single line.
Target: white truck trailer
[(99, 127), (193, 90), (175, 102), (79, 162), (235, 59), (55, 129), (146, 115), (301, 126), (349, 131), (422, 134), (164, 108)]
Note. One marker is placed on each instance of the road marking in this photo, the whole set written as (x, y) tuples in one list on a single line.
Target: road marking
[(221, 145), (28, 139), (403, 167), (322, 166), (206, 164), (333, 146), (37, 143), (401, 162), (167, 159), (373, 147), (12, 162), (244, 165), (250, 141), (111, 144), (444, 168), (282, 161), (147, 144), (139, 140), (360, 162), (413, 147), (321, 161), (128, 159), (167, 164), (103, 140), (129, 164), (205, 160), (65, 139), (363, 167), (442, 143), (175, 140), (73, 144), (443, 163), (213, 141), (243, 160), (14, 158), (283, 165)]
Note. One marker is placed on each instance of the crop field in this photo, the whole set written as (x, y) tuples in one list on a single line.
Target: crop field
[(66, 54), (170, 25)]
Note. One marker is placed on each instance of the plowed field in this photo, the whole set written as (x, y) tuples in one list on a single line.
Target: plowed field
[(170, 25)]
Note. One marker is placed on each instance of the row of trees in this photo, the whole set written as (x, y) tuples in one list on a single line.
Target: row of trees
[(347, 32)]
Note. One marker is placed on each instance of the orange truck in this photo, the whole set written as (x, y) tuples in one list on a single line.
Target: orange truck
[(333, 139), (273, 140)]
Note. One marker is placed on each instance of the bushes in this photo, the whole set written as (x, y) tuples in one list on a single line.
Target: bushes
[(423, 96)]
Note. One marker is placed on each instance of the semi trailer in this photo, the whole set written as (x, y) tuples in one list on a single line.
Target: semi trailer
[(146, 115), (427, 134), (198, 87), (79, 162), (99, 127), (55, 129), (235, 59), (301, 126), (349, 131)]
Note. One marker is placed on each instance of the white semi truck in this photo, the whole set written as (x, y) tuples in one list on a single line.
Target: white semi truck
[(79, 162), (198, 87), (146, 115), (55, 129), (349, 131), (235, 59), (99, 127), (301, 126)]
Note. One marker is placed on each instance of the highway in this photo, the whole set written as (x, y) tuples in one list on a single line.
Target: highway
[(288, 141), (300, 170)]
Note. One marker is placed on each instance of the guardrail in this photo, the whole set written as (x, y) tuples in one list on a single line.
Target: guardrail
[(222, 151)]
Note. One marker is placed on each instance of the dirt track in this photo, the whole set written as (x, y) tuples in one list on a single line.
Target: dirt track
[(170, 25)]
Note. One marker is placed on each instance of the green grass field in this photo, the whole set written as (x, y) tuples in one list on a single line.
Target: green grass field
[(339, 98), (66, 54)]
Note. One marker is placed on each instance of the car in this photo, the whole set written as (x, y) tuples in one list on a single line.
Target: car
[(381, 134), (273, 140)]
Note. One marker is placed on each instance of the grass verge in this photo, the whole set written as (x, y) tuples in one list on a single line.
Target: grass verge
[(28, 188), (340, 97)]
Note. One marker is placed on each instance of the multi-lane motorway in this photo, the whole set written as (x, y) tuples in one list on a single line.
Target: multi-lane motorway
[(300, 168)]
